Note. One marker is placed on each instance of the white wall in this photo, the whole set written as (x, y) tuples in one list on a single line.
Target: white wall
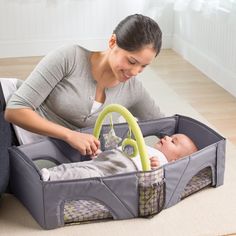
[(209, 43), (34, 27)]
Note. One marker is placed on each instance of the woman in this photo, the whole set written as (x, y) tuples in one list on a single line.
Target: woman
[(70, 86)]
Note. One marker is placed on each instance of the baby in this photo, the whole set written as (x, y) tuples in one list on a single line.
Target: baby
[(167, 149)]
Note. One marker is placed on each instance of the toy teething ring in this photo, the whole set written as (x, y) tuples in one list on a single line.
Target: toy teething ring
[(129, 142), (132, 124)]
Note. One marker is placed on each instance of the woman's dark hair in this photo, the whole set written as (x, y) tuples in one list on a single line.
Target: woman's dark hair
[(136, 31)]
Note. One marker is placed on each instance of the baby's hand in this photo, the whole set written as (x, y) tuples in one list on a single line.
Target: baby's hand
[(154, 162)]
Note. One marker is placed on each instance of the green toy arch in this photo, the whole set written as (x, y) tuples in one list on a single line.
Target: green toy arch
[(132, 124)]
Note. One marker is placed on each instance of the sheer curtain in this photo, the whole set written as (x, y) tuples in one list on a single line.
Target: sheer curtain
[(205, 5), (222, 9)]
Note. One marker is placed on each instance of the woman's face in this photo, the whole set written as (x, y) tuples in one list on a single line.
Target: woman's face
[(125, 64)]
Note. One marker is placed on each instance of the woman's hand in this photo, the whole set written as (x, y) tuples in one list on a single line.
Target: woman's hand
[(95, 155), (154, 162), (31, 121), (87, 144)]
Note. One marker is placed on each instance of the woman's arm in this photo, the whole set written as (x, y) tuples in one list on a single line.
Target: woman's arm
[(49, 72), (33, 92), (31, 121)]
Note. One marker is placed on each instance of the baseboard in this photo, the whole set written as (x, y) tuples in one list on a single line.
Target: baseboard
[(42, 47), (167, 41), (211, 68)]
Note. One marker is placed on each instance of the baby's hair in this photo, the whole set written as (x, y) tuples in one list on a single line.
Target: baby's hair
[(192, 148)]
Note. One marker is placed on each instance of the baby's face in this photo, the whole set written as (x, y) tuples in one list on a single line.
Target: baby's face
[(175, 146)]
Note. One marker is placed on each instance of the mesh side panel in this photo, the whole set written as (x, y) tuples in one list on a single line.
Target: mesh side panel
[(82, 211), (198, 182), (151, 192)]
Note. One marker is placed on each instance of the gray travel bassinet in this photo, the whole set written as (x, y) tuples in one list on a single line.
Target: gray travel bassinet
[(138, 194), (7, 139)]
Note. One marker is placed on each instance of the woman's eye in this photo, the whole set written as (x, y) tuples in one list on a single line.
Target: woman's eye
[(131, 62)]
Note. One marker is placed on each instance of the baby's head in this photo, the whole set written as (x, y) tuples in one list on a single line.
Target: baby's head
[(176, 146)]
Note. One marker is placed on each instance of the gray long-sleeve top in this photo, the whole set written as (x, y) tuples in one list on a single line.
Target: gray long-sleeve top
[(62, 89)]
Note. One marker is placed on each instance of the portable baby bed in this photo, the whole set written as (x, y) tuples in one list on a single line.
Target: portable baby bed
[(138, 194), (7, 139)]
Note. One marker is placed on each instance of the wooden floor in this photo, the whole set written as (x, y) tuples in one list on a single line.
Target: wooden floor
[(213, 102), (210, 100)]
